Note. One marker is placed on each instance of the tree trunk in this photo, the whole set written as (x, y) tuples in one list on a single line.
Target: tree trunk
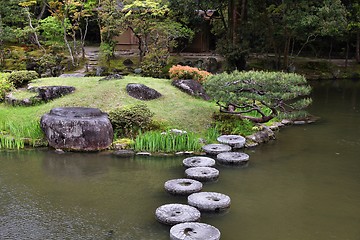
[(2, 60), (233, 20), (286, 51), (347, 53), (237, 11), (32, 27), (331, 47), (140, 45), (83, 37), (75, 48), (358, 46), (67, 43), (43, 9)]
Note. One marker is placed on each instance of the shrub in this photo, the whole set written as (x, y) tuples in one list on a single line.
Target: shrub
[(154, 63), (19, 78), (259, 96), (232, 124), (186, 72), (128, 121), (5, 85)]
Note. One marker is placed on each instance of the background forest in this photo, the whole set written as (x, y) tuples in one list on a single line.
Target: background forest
[(52, 34)]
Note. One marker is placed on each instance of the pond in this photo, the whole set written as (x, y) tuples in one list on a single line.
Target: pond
[(304, 185)]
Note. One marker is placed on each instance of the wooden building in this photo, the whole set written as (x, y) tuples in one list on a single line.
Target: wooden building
[(203, 41)]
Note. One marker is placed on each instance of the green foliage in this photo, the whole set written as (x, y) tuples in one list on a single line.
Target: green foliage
[(234, 55), (106, 52), (168, 142), (151, 25), (5, 85), (154, 63), (51, 62), (232, 124), (211, 135), (19, 78), (108, 18), (258, 96), (128, 121), (16, 136), (52, 30)]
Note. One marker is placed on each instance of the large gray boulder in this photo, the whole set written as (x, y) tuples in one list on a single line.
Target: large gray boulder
[(47, 93), (191, 87), (77, 129), (142, 92), (44, 94)]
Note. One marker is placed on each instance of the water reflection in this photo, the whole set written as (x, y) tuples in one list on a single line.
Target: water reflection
[(304, 185), (73, 165)]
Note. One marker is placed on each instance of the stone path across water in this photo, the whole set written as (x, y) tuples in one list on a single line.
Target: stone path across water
[(201, 168)]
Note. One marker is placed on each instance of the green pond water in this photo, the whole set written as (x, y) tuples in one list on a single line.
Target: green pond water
[(303, 186)]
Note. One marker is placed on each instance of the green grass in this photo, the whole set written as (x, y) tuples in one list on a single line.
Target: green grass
[(166, 142), (23, 94), (14, 136), (175, 108)]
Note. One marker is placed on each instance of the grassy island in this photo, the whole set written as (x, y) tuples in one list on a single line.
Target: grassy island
[(174, 109)]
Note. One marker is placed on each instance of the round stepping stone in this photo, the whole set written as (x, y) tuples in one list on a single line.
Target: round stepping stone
[(172, 214), (198, 162), (194, 231), (216, 148), (209, 201), (233, 158), (202, 173), (183, 186), (235, 141)]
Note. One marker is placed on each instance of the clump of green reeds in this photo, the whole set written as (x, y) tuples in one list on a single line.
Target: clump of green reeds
[(8, 142), (154, 141), (14, 136)]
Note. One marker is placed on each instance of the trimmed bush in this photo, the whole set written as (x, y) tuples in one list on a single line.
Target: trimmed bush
[(186, 72), (5, 85), (259, 96), (19, 78), (128, 121)]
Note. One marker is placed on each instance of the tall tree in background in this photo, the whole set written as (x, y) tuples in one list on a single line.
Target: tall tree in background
[(142, 18), (71, 13), (109, 13), (33, 30), (150, 23)]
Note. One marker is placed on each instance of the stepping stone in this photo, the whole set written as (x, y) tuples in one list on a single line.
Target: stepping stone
[(183, 186), (194, 231), (215, 149), (235, 141), (202, 173), (199, 162), (233, 158), (209, 201), (172, 214)]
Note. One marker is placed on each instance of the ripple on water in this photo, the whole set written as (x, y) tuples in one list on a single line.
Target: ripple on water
[(23, 218)]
